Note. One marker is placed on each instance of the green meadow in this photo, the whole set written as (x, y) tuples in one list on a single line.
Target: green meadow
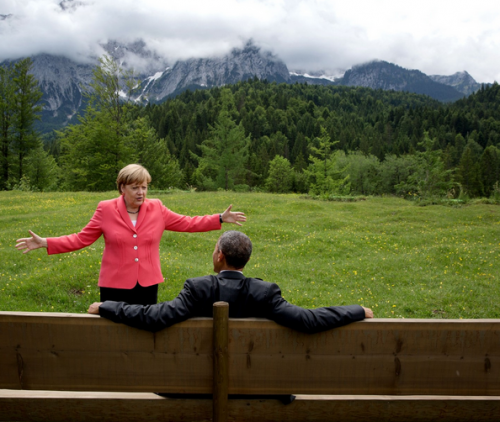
[(402, 260)]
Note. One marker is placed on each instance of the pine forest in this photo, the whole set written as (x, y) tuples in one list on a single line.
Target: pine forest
[(324, 141)]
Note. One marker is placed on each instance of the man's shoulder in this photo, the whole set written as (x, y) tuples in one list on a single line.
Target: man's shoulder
[(201, 288), (202, 279), (259, 282), (214, 279), (201, 283)]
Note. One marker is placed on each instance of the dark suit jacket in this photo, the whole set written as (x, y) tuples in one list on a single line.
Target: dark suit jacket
[(247, 297)]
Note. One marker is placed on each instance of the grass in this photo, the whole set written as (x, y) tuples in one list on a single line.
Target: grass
[(384, 253)]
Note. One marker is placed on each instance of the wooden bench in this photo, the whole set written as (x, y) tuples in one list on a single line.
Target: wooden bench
[(74, 367)]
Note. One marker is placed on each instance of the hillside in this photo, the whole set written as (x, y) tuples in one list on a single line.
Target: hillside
[(388, 76), (63, 81)]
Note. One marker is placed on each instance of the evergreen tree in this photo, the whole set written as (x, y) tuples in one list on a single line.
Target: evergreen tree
[(300, 163), (459, 149), (325, 178), (7, 113), (225, 153), (27, 108), (363, 172), (431, 178), (489, 169), (93, 152), (153, 154), (107, 93), (41, 169), (394, 172), (300, 183), (468, 173), (279, 145), (280, 175)]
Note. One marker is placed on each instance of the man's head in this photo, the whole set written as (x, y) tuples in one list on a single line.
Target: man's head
[(232, 251)]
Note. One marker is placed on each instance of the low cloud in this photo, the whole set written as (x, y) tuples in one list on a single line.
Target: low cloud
[(312, 35)]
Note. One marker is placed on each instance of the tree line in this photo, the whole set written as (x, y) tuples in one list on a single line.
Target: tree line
[(22, 155), (256, 135)]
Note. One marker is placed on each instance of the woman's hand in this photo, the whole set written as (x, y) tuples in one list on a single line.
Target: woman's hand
[(233, 217), (31, 243)]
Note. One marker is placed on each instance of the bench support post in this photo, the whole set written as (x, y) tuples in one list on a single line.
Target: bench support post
[(221, 361)]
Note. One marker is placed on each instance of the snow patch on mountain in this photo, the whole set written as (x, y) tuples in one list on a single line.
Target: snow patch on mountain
[(312, 76)]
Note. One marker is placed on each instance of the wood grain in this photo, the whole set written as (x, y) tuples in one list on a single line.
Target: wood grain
[(39, 406), (46, 351)]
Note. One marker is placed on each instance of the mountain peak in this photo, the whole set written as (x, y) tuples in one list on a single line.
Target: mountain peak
[(379, 74), (61, 79), (240, 64), (461, 81), (249, 47)]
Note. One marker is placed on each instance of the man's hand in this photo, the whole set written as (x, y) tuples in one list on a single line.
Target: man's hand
[(94, 308), (368, 312), (233, 217)]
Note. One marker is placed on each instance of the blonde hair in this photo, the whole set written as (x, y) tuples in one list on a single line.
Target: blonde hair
[(133, 173)]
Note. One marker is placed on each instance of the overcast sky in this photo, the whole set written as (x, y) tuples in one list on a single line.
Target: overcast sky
[(434, 36)]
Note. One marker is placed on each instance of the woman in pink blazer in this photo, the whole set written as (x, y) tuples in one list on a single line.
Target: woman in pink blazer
[(132, 227)]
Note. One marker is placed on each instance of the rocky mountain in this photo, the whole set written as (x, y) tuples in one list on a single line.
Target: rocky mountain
[(461, 81), (311, 78), (240, 64), (62, 81), (388, 76), (383, 75), (136, 56)]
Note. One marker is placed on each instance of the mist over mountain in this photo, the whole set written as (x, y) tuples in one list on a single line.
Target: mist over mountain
[(461, 81), (136, 56), (240, 64), (388, 76), (63, 80)]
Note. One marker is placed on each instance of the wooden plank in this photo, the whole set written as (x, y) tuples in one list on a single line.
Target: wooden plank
[(43, 406), (371, 408), (380, 356), (38, 406), (80, 352), (363, 375), (221, 361), (376, 336), (371, 357)]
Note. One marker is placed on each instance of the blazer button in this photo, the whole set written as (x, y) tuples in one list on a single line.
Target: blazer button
[(136, 259), (135, 235), (135, 247)]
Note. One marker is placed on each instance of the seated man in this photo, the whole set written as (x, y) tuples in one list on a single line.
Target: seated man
[(247, 297)]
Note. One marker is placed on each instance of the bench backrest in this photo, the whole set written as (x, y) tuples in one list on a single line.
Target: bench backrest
[(54, 351)]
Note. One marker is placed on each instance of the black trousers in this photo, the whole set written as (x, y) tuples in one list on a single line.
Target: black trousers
[(137, 296)]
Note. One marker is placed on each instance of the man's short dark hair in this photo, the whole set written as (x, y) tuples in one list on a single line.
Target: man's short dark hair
[(236, 247)]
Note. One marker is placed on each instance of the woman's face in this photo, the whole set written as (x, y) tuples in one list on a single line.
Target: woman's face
[(134, 194)]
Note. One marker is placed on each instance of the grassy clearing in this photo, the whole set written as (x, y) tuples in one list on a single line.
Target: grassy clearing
[(385, 253)]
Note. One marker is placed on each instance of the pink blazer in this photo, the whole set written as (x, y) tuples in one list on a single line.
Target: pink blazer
[(131, 254)]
